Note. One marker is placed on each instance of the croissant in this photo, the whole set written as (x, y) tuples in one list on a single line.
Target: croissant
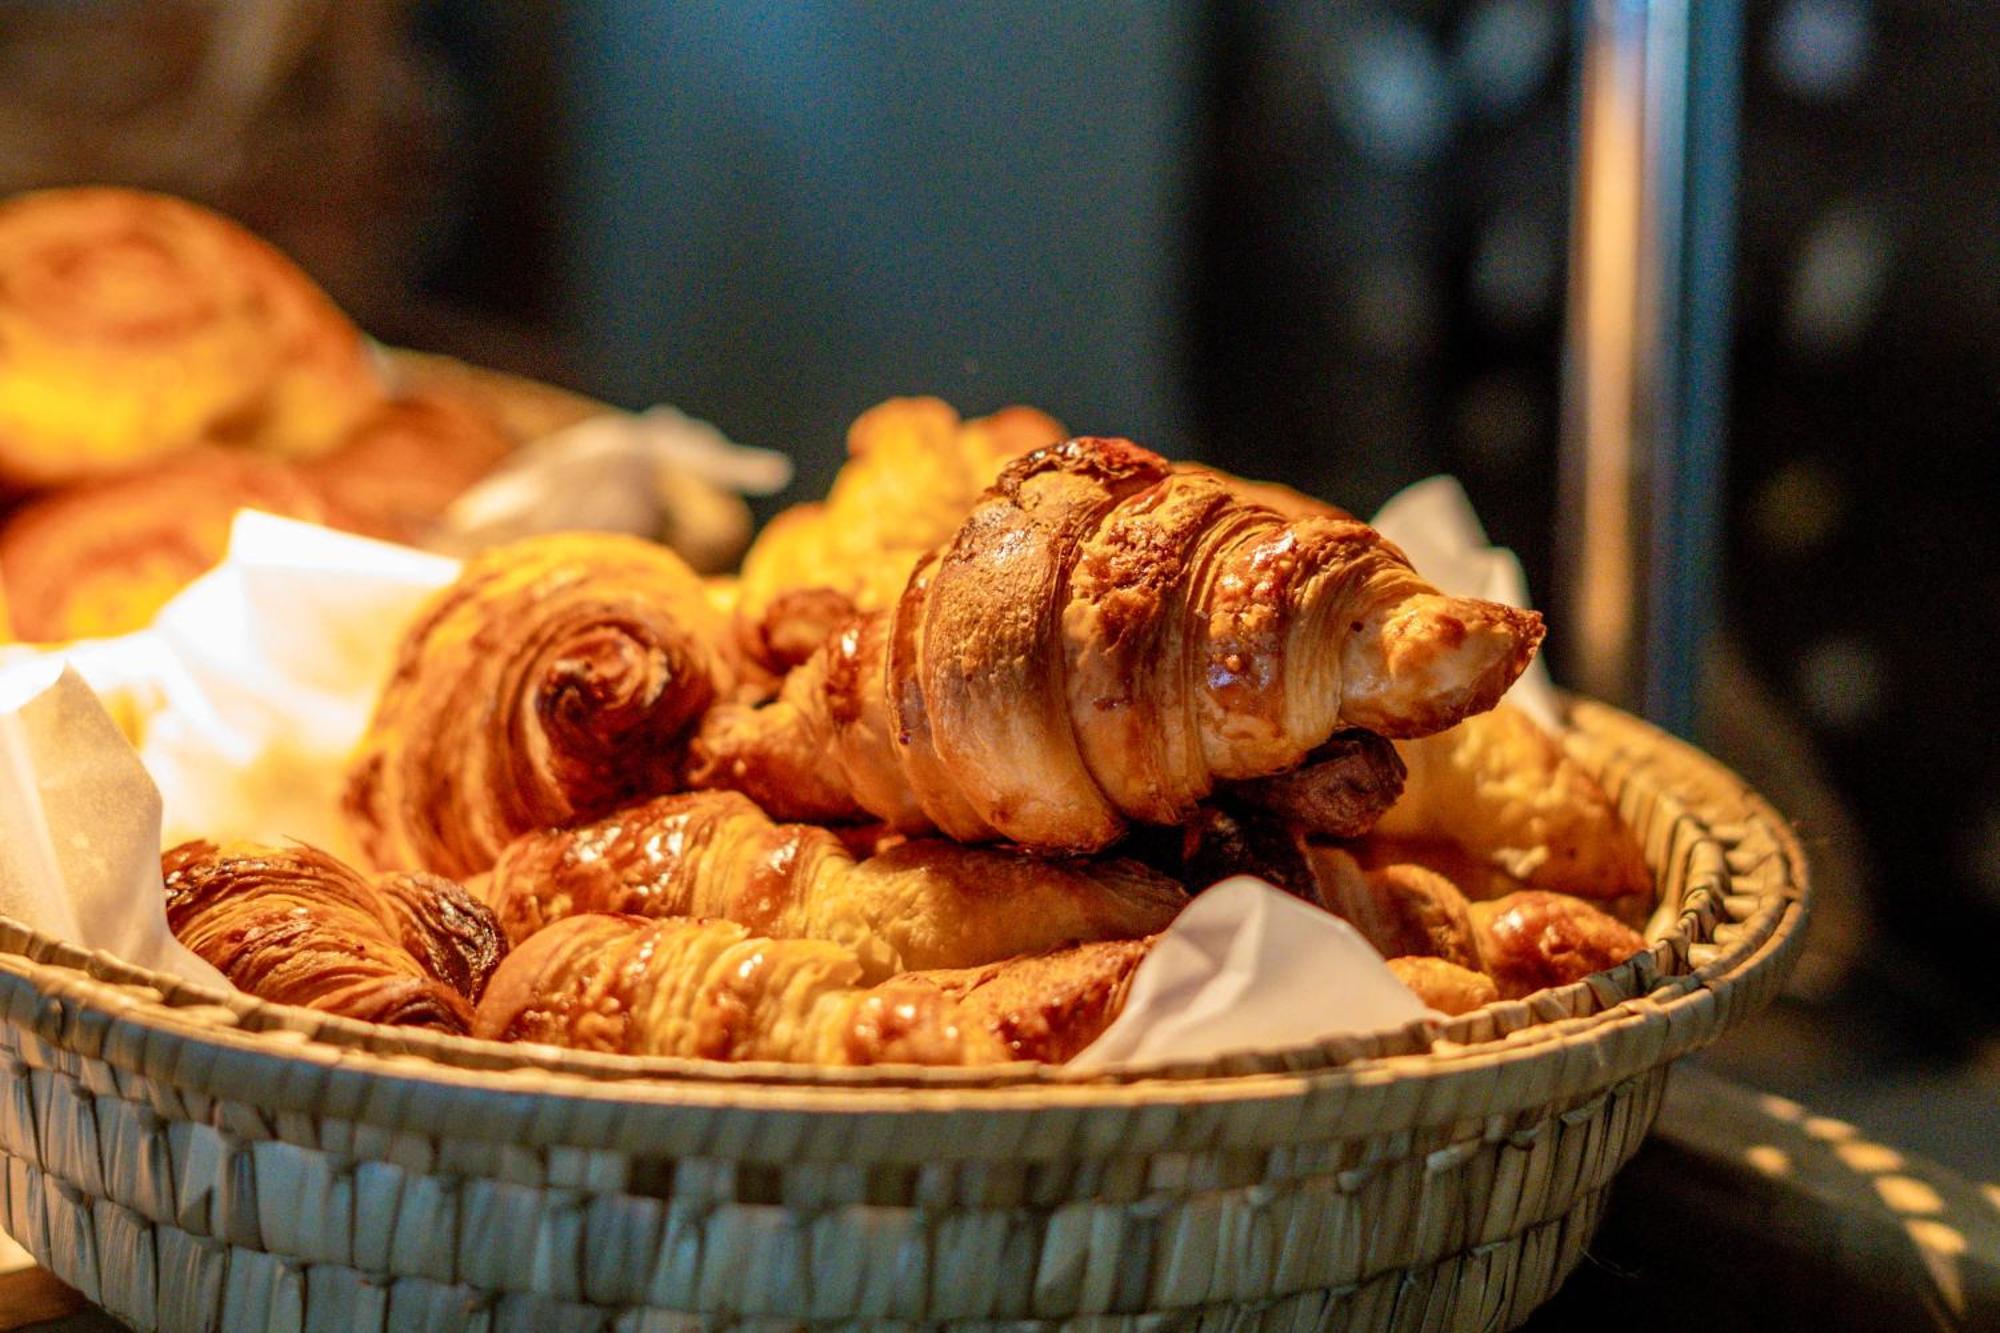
[(101, 557), (295, 926), (922, 904), (553, 682), (1503, 791), (713, 990), (1045, 1007), (914, 471), (134, 325), (1103, 641)]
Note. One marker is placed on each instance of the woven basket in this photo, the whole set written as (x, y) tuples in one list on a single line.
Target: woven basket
[(192, 1160)]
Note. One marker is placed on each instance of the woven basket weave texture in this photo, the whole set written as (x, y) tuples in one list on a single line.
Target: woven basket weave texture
[(194, 1161)]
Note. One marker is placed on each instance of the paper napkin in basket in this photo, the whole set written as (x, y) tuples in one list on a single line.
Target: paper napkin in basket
[(80, 831)]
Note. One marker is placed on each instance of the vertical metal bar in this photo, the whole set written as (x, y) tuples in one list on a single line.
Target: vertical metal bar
[(1647, 342)]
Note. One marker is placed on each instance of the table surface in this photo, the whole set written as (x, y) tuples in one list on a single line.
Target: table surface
[(1742, 1211)]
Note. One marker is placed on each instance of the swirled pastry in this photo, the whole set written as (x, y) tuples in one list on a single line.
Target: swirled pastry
[(100, 557), (712, 990), (553, 682), (134, 325), (404, 463), (295, 926), (1103, 641), (922, 904)]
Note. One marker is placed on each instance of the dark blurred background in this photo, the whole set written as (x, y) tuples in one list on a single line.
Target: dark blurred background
[(1324, 242)]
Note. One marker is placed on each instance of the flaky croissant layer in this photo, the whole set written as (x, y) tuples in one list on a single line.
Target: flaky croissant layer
[(295, 926), (922, 904), (554, 681), (712, 990), (1103, 641)]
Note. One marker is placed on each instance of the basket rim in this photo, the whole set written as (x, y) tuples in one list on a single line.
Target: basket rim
[(1725, 940)]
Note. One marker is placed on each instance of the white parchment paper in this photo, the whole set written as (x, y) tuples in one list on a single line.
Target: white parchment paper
[(251, 688)]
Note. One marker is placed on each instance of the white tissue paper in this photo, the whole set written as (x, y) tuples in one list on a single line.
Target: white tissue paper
[(252, 687), (80, 831), (603, 473)]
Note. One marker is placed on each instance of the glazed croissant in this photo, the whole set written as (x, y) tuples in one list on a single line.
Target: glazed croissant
[(553, 682), (1103, 641), (913, 472), (923, 904), (134, 325), (295, 926), (713, 990)]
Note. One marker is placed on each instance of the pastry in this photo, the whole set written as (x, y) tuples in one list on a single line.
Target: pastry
[(1045, 1007), (1501, 790), (133, 326), (1449, 988), (1102, 642), (294, 926), (922, 904), (404, 463), (712, 990), (1532, 940), (913, 473), (551, 683), (101, 557)]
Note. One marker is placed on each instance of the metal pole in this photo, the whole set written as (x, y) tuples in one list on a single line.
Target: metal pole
[(1641, 459)]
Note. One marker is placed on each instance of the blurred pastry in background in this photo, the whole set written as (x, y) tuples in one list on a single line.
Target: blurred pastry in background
[(101, 557), (134, 326), (403, 465)]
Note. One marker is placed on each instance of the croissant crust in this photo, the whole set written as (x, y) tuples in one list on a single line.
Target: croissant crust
[(1104, 640), (554, 681), (920, 904), (295, 926)]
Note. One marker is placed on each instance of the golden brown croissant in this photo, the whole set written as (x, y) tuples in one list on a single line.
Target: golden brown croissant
[(913, 473), (1402, 910), (1104, 640), (295, 926), (553, 682), (1502, 789), (101, 557), (1045, 1007), (922, 904), (134, 325), (713, 990)]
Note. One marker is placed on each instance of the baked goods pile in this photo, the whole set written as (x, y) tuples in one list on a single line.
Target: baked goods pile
[(161, 368), (924, 783)]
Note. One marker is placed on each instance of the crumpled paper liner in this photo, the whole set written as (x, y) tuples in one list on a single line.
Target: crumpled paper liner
[(251, 688)]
